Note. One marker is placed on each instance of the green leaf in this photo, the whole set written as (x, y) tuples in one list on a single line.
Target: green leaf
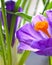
[(23, 15), (50, 60), (1, 60), (7, 33), (46, 4), (2, 44), (0, 50), (49, 6), (44, 1), (24, 57), (24, 3), (17, 5), (26, 11)]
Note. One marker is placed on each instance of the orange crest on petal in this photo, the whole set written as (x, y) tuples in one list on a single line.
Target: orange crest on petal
[(43, 26)]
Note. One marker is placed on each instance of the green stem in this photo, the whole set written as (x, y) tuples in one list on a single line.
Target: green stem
[(7, 34), (2, 44), (47, 2), (24, 3), (4, 17), (50, 60), (23, 6), (26, 11), (25, 16), (14, 19), (43, 1), (24, 57)]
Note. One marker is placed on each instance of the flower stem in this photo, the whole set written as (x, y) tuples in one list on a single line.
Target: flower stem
[(24, 3), (14, 19), (2, 44), (23, 6), (7, 34), (50, 60), (47, 1), (24, 57), (25, 16), (26, 11)]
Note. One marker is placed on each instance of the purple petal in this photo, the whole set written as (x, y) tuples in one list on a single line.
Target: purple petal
[(30, 39), (9, 7), (19, 50), (49, 18), (44, 46), (24, 46), (38, 18), (0, 15), (46, 52), (49, 15), (27, 34)]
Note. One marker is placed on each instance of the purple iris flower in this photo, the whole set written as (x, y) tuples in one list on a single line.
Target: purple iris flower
[(10, 7), (37, 35)]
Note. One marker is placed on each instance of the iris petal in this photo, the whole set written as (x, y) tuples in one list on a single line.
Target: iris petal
[(38, 18), (9, 7), (24, 46), (28, 35), (30, 39), (49, 15), (49, 18), (44, 46), (45, 52)]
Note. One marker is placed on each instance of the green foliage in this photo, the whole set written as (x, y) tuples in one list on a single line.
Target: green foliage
[(44, 1), (23, 15), (49, 6), (45, 6), (24, 57)]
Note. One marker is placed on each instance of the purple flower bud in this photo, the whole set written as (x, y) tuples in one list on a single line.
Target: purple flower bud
[(10, 7)]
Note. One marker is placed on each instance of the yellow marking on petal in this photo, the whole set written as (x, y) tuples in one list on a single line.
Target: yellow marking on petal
[(43, 26)]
